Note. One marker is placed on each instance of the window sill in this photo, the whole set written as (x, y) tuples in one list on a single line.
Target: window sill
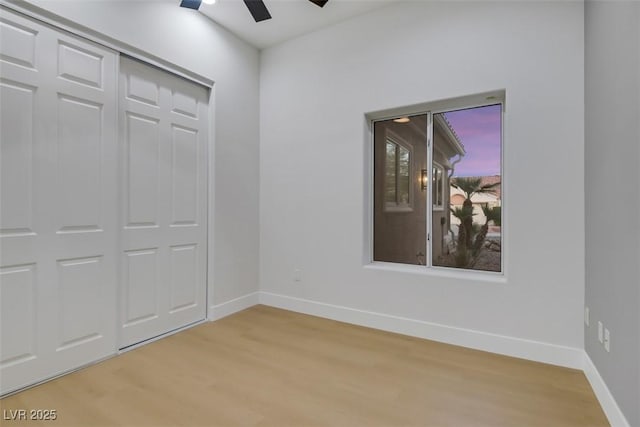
[(469, 275)]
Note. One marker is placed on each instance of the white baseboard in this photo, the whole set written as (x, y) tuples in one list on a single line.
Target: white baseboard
[(609, 406), (516, 347), (233, 306)]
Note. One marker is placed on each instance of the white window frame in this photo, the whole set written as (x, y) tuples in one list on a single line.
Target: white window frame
[(436, 107)]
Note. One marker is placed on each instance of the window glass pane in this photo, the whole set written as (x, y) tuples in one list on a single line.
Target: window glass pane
[(467, 232), (400, 214), (403, 176), (390, 173), (437, 186)]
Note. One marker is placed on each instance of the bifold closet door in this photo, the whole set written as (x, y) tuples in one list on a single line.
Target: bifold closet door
[(58, 213), (163, 124)]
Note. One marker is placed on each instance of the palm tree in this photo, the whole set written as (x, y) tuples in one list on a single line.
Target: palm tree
[(492, 214), (471, 186), (463, 214)]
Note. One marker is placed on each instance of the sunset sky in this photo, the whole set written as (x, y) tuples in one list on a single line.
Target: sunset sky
[(479, 130)]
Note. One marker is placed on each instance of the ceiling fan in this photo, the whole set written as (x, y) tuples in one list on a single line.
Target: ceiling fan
[(257, 7)]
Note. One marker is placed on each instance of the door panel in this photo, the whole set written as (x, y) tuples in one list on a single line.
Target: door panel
[(79, 159), (141, 298), (16, 179), (18, 308), (86, 199), (185, 104), (184, 177), (79, 296), (184, 267), (141, 89), (18, 45), (23, 264), (143, 172), (59, 194), (163, 243), (79, 65)]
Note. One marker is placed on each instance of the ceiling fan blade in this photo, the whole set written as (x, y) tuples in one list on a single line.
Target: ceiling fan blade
[(320, 3), (191, 4), (258, 10)]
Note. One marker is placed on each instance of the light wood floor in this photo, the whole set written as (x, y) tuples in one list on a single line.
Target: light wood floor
[(269, 367)]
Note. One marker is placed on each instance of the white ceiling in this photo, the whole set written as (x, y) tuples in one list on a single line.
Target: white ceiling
[(290, 18)]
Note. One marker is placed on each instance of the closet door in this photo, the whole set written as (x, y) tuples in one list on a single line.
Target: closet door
[(164, 212), (58, 155)]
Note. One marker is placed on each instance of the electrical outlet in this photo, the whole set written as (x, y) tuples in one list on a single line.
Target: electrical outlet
[(297, 275), (586, 316), (607, 340), (600, 332)]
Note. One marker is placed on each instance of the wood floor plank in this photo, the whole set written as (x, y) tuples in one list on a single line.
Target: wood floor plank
[(270, 367)]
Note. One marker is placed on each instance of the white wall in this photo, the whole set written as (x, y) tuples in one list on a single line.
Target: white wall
[(314, 92), (612, 179), (190, 40)]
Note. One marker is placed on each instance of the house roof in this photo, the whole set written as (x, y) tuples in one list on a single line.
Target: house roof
[(453, 131), (449, 135)]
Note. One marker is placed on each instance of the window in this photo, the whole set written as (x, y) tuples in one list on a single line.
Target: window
[(437, 189), (397, 183)]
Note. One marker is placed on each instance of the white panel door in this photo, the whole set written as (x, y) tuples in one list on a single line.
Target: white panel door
[(58, 211), (164, 213)]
